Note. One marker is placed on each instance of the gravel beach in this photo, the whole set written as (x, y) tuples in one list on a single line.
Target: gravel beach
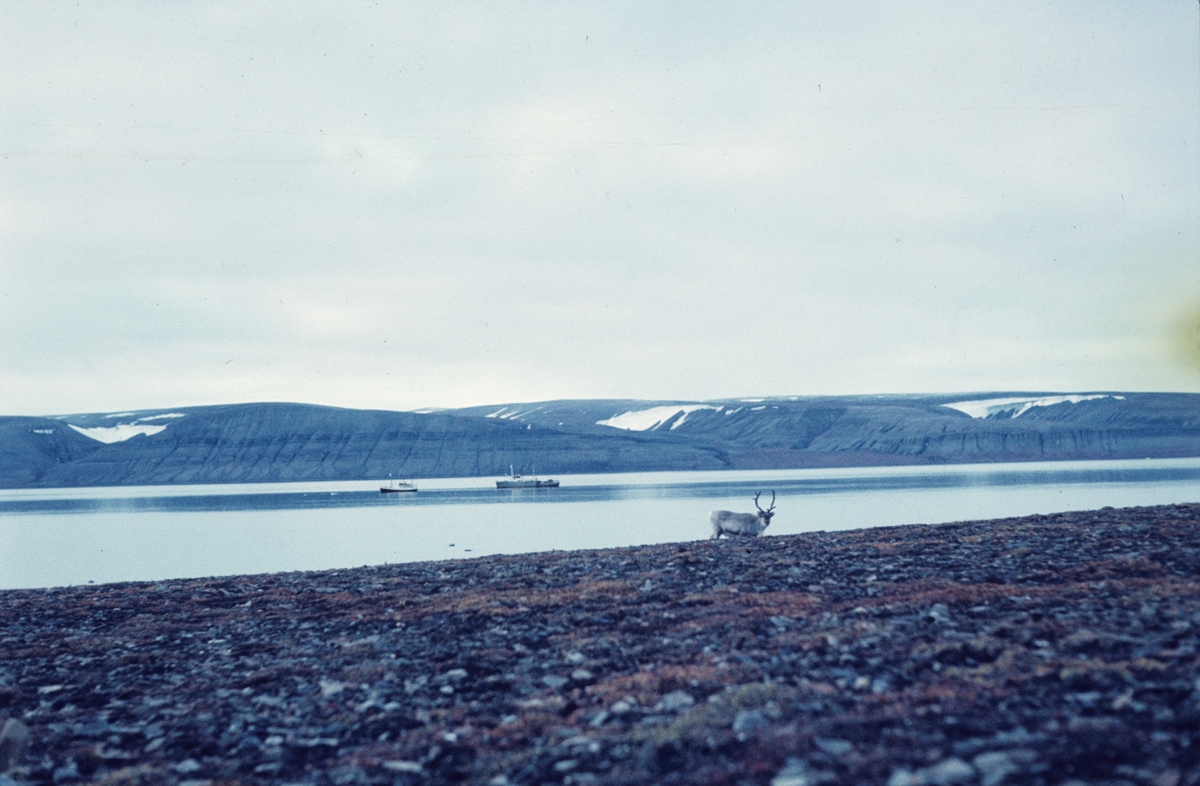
[(1056, 650)]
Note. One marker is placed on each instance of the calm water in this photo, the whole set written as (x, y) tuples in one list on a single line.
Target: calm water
[(75, 536)]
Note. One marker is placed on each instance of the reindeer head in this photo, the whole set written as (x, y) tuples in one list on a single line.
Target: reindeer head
[(765, 515)]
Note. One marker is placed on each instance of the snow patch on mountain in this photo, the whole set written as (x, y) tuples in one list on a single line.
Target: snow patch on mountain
[(650, 419), (1017, 406), (119, 432), (123, 431), (504, 414)]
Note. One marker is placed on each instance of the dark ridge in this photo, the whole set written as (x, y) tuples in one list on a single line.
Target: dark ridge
[(248, 443)]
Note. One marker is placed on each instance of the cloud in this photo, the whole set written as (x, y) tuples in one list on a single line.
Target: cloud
[(524, 203)]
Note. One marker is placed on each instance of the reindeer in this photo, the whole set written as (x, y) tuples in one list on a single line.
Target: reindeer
[(725, 522)]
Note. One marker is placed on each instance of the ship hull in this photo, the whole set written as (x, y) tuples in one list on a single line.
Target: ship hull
[(526, 484)]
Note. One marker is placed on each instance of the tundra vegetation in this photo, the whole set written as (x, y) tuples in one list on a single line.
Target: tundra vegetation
[(1041, 650)]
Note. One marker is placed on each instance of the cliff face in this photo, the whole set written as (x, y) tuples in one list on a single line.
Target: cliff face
[(1135, 426), (899, 429), (249, 443), (34, 448), (258, 443)]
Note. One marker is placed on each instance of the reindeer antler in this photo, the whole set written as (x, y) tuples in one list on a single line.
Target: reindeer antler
[(768, 510)]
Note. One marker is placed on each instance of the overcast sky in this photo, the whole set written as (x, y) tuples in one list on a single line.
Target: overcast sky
[(401, 205)]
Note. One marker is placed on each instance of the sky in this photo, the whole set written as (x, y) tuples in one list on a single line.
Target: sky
[(410, 205)]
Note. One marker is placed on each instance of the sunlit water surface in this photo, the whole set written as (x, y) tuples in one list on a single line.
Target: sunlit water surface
[(55, 537)]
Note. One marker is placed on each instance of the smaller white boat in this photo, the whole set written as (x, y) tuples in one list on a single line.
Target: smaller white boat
[(397, 487)]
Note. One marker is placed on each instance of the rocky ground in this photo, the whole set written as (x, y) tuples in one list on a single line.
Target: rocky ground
[(1042, 650)]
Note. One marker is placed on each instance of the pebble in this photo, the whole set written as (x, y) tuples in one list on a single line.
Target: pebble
[(14, 742), (945, 773), (948, 772), (188, 767), (994, 767), (675, 701), (834, 747), (796, 772), (749, 720)]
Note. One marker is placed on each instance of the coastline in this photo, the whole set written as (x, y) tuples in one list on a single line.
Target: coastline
[(1035, 650)]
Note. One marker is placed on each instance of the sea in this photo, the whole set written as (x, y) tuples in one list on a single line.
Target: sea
[(78, 536)]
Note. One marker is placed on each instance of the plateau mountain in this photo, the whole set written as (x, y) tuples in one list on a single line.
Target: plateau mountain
[(273, 442)]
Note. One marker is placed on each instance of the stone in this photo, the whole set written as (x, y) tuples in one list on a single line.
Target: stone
[(749, 720), (796, 772), (581, 779), (68, 773), (675, 701), (188, 767), (994, 767), (348, 776), (14, 743), (948, 772), (834, 747), (939, 613)]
